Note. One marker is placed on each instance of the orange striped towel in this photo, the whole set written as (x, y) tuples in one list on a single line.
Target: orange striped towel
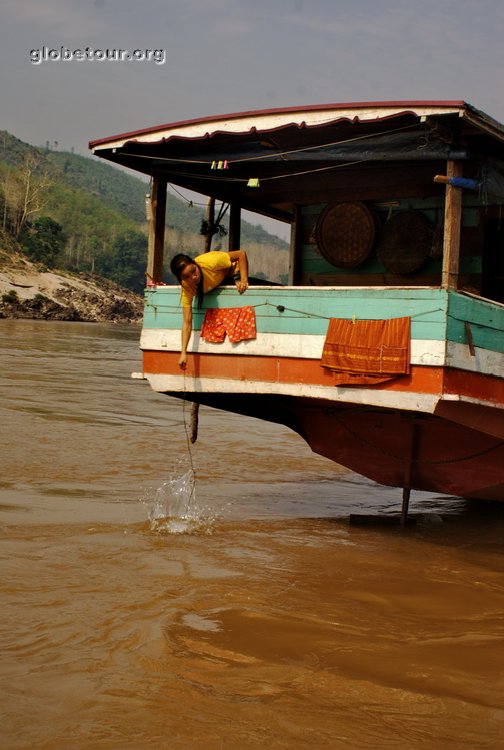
[(367, 351), (238, 322)]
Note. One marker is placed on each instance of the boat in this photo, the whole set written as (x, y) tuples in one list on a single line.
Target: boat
[(385, 349)]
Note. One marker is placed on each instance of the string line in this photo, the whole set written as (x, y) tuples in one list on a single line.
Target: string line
[(188, 442)]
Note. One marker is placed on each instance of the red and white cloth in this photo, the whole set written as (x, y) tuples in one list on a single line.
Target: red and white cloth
[(238, 322)]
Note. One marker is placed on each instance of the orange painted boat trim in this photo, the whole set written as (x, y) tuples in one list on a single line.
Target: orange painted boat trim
[(280, 370), (474, 385), (291, 370)]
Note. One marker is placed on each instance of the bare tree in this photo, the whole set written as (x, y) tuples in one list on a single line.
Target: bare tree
[(25, 193)]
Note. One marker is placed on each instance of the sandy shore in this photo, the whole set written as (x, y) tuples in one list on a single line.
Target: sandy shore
[(26, 292)]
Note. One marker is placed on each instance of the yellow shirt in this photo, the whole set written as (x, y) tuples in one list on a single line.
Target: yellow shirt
[(215, 267)]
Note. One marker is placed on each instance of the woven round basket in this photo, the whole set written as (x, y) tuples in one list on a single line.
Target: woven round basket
[(345, 233), (405, 242)]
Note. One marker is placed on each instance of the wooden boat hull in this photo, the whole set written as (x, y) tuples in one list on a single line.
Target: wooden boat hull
[(391, 447), (439, 428)]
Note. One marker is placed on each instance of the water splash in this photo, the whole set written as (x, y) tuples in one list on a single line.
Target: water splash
[(173, 509)]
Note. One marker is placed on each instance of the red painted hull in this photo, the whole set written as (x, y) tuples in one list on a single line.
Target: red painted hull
[(457, 450), (445, 456)]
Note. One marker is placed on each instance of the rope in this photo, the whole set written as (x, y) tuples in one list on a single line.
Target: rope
[(321, 146), (190, 202), (188, 442), (244, 180), (282, 308), (279, 153), (483, 452), (388, 453)]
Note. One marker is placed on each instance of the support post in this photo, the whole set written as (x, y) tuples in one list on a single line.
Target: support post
[(157, 229), (294, 248), (210, 218), (408, 470), (452, 224), (403, 520), (234, 238), (405, 505)]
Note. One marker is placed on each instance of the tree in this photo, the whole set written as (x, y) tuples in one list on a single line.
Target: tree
[(25, 192), (43, 240), (126, 262)]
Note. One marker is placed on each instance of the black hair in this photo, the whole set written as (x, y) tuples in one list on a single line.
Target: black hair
[(177, 265)]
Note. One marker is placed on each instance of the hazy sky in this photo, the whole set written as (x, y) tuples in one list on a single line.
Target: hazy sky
[(226, 56)]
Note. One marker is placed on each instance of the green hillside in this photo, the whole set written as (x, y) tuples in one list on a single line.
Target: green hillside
[(81, 214), (126, 193)]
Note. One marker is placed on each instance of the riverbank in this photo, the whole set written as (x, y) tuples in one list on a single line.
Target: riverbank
[(27, 291)]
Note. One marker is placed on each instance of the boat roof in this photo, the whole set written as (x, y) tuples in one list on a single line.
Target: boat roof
[(286, 153)]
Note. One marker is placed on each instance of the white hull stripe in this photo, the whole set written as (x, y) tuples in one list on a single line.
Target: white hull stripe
[(483, 361), (304, 346), (365, 396), (423, 352)]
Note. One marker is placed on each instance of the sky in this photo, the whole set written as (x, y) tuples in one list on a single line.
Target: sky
[(221, 56)]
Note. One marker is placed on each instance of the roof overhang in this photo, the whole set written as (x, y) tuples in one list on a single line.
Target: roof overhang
[(297, 151)]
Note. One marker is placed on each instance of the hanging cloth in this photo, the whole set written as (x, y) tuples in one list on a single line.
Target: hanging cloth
[(367, 352), (238, 322)]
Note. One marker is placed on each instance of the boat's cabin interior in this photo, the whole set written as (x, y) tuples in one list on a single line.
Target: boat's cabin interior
[(398, 241)]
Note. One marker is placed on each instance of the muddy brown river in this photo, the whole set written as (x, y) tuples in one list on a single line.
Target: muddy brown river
[(160, 595)]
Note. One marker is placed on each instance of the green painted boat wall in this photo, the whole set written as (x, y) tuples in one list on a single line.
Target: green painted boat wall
[(312, 263), (435, 314), (308, 310), (313, 266), (486, 322)]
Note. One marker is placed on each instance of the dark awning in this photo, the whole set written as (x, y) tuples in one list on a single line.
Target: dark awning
[(270, 160)]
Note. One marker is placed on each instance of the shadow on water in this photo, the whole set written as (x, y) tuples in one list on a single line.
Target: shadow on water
[(325, 506)]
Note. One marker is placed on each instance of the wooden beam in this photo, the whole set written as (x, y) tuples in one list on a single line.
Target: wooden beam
[(469, 337), (157, 229), (408, 471), (234, 238), (452, 224), (295, 240), (210, 219)]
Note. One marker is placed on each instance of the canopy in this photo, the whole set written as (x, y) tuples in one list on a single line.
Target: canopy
[(269, 161)]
